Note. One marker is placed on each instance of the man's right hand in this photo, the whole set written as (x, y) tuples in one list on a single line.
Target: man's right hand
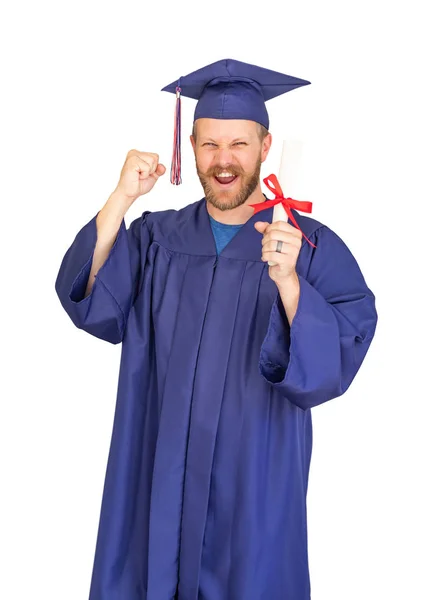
[(139, 174)]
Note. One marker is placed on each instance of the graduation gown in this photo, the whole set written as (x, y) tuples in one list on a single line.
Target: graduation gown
[(207, 474)]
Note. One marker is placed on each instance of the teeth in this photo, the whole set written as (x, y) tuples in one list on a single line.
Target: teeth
[(225, 175)]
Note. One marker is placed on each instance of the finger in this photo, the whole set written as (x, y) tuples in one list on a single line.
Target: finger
[(283, 226), (151, 160), (271, 247), (285, 236), (279, 224), (276, 257), (149, 157), (143, 155), (290, 253), (145, 166)]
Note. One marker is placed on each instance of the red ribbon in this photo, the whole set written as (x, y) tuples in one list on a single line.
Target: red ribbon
[(287, 203)]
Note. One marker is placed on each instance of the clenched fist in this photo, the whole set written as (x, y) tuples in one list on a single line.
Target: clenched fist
[(139, 174)]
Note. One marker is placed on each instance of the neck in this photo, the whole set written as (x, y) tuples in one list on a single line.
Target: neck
[(239, 215)]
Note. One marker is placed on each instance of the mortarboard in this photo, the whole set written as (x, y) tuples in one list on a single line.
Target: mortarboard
[(227, 89)]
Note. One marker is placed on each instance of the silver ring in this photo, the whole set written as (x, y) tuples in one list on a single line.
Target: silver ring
[(279, 246)]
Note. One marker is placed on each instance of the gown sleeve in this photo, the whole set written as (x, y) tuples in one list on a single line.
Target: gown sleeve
[(316, 359), (104, 312)]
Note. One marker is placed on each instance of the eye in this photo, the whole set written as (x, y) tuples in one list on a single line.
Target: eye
[(209, 144), (240, 144)]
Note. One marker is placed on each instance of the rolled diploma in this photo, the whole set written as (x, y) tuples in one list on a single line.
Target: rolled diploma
[(289, 177)]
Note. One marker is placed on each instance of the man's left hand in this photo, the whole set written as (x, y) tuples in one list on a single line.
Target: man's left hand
[(285, 260)]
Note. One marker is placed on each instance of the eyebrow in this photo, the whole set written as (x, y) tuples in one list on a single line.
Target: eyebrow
[(241, 139)]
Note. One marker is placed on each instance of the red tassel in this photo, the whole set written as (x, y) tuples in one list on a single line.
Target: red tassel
[(175, 174)]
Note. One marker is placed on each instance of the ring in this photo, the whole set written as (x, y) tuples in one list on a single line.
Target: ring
[(279, 246)]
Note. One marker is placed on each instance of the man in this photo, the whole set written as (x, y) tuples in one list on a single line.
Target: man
[(223, 357)]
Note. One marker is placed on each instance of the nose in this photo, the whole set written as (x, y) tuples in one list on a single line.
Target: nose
[(224, 156)]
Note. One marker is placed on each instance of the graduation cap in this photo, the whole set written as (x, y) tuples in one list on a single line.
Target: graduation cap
[(227, 89)]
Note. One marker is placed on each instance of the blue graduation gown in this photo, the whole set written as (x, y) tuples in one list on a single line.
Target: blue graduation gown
[(207, 475)]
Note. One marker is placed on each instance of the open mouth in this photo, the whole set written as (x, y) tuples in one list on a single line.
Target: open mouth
[(225, 179)]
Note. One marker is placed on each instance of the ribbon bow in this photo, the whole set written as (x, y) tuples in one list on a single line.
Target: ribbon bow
[(287, 203)]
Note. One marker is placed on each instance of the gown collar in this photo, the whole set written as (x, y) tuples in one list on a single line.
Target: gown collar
[(244, 245)]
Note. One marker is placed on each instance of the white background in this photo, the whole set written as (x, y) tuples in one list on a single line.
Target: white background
[(80, 87)]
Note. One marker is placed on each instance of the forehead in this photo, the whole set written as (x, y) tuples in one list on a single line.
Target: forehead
[(225, 128)]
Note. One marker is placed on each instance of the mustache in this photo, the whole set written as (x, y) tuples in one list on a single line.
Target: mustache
[(232, 169)]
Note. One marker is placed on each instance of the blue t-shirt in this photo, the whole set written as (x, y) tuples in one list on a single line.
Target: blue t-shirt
[(223, 233)]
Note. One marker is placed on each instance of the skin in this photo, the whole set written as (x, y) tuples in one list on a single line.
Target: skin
[(233, 146), (219, 145)]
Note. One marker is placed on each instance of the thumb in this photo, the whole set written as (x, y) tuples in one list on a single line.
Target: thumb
[(261, 226), (160, 170)]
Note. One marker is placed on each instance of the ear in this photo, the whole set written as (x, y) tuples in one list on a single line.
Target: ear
[(193, 143), (266, 145)]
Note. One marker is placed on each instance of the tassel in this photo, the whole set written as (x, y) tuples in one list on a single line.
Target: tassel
[(175, 174)]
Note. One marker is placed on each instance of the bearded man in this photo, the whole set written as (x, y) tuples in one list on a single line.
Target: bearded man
[(223, 358)]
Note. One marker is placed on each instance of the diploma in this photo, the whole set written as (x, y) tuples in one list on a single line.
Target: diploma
[(289, 177)]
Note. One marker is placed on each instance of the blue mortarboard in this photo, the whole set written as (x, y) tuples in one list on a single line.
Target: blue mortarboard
[(228, 89)]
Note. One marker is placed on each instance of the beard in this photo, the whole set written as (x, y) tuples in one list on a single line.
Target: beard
[(225, 200)]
